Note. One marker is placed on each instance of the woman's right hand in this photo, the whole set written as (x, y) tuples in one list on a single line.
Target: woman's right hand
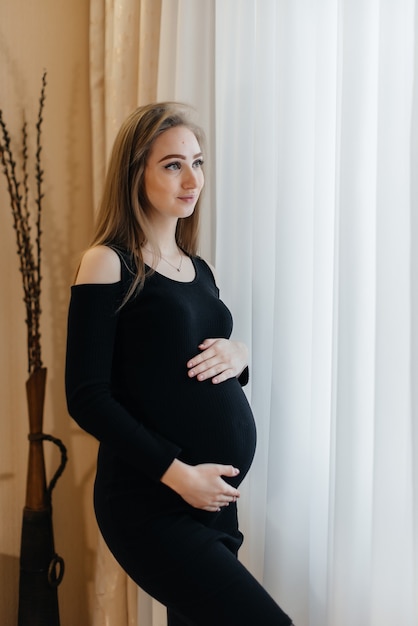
[(202, 486)]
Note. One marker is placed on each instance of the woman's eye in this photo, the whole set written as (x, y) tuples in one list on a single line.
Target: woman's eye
[(173, 166), (198, 163)]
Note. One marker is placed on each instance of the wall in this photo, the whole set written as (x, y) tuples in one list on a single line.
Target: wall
[(51, 35)]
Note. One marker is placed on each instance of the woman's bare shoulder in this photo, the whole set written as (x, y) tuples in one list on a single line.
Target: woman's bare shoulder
[(99, 264)]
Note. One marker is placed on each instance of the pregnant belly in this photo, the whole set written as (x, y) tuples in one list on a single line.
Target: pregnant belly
[(211, 424)]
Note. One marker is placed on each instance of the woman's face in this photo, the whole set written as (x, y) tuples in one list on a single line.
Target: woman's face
[(173, 174)]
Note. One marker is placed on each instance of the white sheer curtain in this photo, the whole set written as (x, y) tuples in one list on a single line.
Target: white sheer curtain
[(314, 115), (311, 113)]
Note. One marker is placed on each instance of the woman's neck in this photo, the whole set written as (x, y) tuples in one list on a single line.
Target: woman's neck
[(164, 237)]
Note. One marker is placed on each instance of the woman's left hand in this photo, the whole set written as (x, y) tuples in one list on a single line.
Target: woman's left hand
[(219, 360)]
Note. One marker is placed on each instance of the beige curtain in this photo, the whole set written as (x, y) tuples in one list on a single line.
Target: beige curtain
[(124, 43)]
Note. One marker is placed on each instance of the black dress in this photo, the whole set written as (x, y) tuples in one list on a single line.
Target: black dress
[(127, 384)]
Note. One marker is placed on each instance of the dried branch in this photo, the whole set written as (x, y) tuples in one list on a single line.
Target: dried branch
[(30, 262)]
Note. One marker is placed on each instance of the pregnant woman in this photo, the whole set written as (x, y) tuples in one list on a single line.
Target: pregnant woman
[(153, 374)]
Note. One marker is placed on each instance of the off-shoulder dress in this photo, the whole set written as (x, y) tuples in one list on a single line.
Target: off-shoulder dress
[(127, 384)]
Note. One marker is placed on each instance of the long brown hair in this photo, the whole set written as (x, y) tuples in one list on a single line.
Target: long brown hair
[(122, 219)]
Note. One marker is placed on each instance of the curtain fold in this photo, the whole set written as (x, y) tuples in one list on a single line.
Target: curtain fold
[(124, 42), (311, 110)]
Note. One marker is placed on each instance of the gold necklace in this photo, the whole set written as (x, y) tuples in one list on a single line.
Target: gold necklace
[(177, 268)]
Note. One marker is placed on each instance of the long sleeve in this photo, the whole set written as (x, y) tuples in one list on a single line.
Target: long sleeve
[(92, 324)]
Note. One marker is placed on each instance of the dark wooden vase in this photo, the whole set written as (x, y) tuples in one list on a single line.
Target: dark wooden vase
[(41, 569)]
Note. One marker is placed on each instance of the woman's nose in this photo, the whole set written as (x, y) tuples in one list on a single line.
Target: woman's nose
[(190, 179)]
